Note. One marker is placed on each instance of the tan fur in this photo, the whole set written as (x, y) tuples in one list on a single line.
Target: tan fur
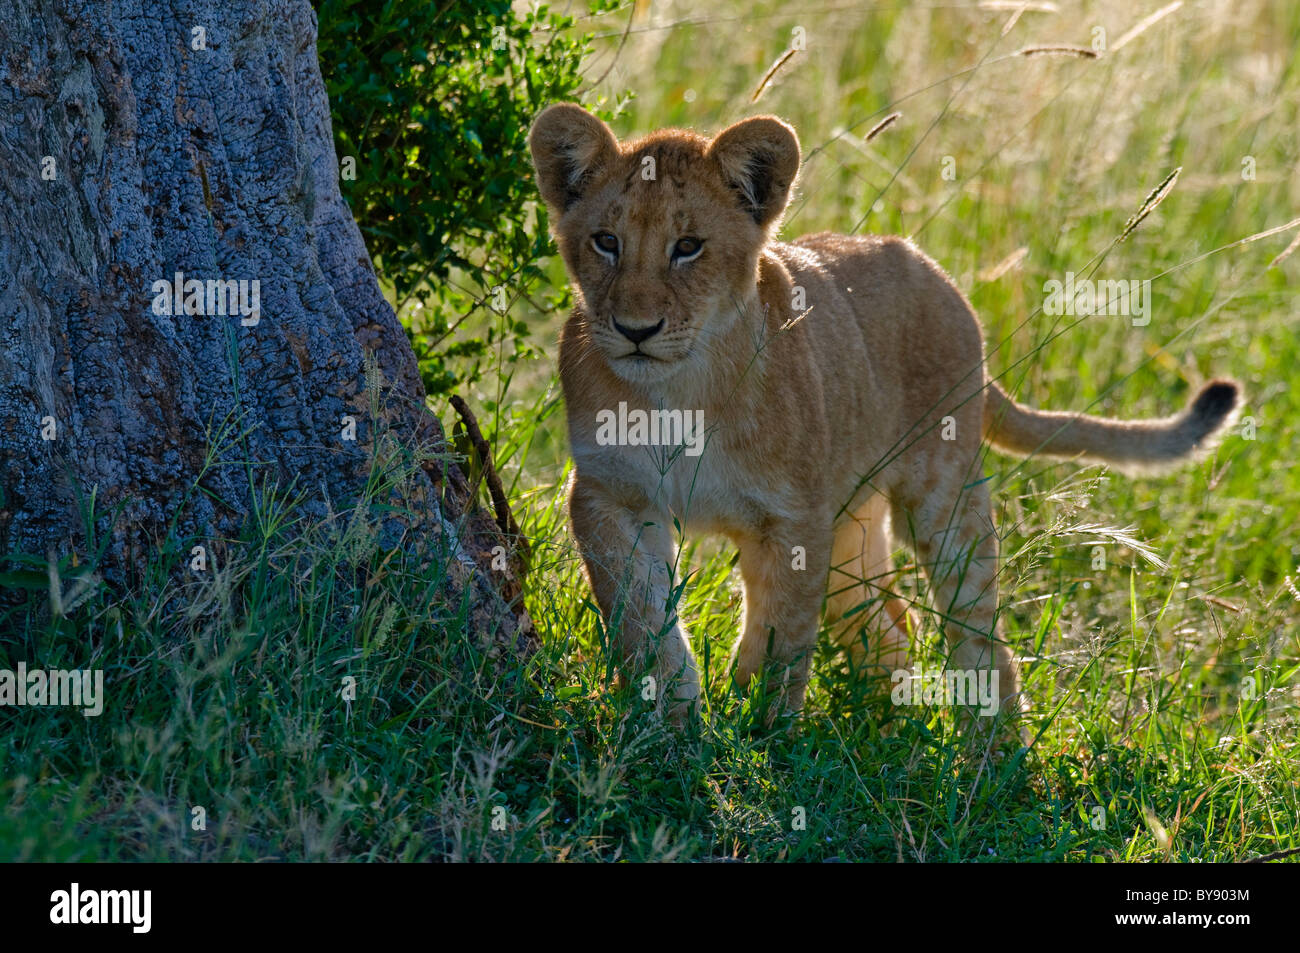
[(824, 423)]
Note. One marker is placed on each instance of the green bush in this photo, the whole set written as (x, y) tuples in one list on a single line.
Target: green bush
[(431, 106)]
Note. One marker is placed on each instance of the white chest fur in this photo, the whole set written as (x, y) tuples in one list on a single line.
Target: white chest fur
[(699, 481)]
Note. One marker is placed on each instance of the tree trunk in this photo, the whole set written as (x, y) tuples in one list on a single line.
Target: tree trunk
[(156, 154)]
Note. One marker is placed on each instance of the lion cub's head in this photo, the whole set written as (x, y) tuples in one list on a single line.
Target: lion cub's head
[(661, 235)]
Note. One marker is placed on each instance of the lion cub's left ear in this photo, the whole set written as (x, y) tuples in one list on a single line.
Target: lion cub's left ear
[(759, 159)]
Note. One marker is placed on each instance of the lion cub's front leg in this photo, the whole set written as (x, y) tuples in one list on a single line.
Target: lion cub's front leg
[(784, 570), (630, 556)]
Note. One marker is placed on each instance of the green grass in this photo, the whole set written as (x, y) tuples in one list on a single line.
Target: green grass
[(1166, 691)]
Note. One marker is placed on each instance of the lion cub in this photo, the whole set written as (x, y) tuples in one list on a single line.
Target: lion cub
[(799, 398)]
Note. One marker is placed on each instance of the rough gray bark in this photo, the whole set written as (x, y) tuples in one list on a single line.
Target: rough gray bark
[(126, 156)]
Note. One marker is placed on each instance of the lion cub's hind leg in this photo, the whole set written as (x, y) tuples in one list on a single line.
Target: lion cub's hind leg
[(951, 531), (863, 616)]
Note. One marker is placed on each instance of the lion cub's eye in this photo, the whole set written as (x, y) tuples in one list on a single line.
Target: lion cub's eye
[(686, 249), (606, 244)]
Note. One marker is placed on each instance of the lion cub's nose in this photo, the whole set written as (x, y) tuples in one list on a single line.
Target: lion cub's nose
[(637, 335)]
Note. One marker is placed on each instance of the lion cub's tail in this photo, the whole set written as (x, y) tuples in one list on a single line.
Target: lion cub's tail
[(1131, 446)]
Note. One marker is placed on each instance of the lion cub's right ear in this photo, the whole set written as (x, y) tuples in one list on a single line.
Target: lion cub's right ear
[(569, 147)]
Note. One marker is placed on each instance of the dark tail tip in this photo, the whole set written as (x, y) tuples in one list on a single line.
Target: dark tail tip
[(1216, 401)]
